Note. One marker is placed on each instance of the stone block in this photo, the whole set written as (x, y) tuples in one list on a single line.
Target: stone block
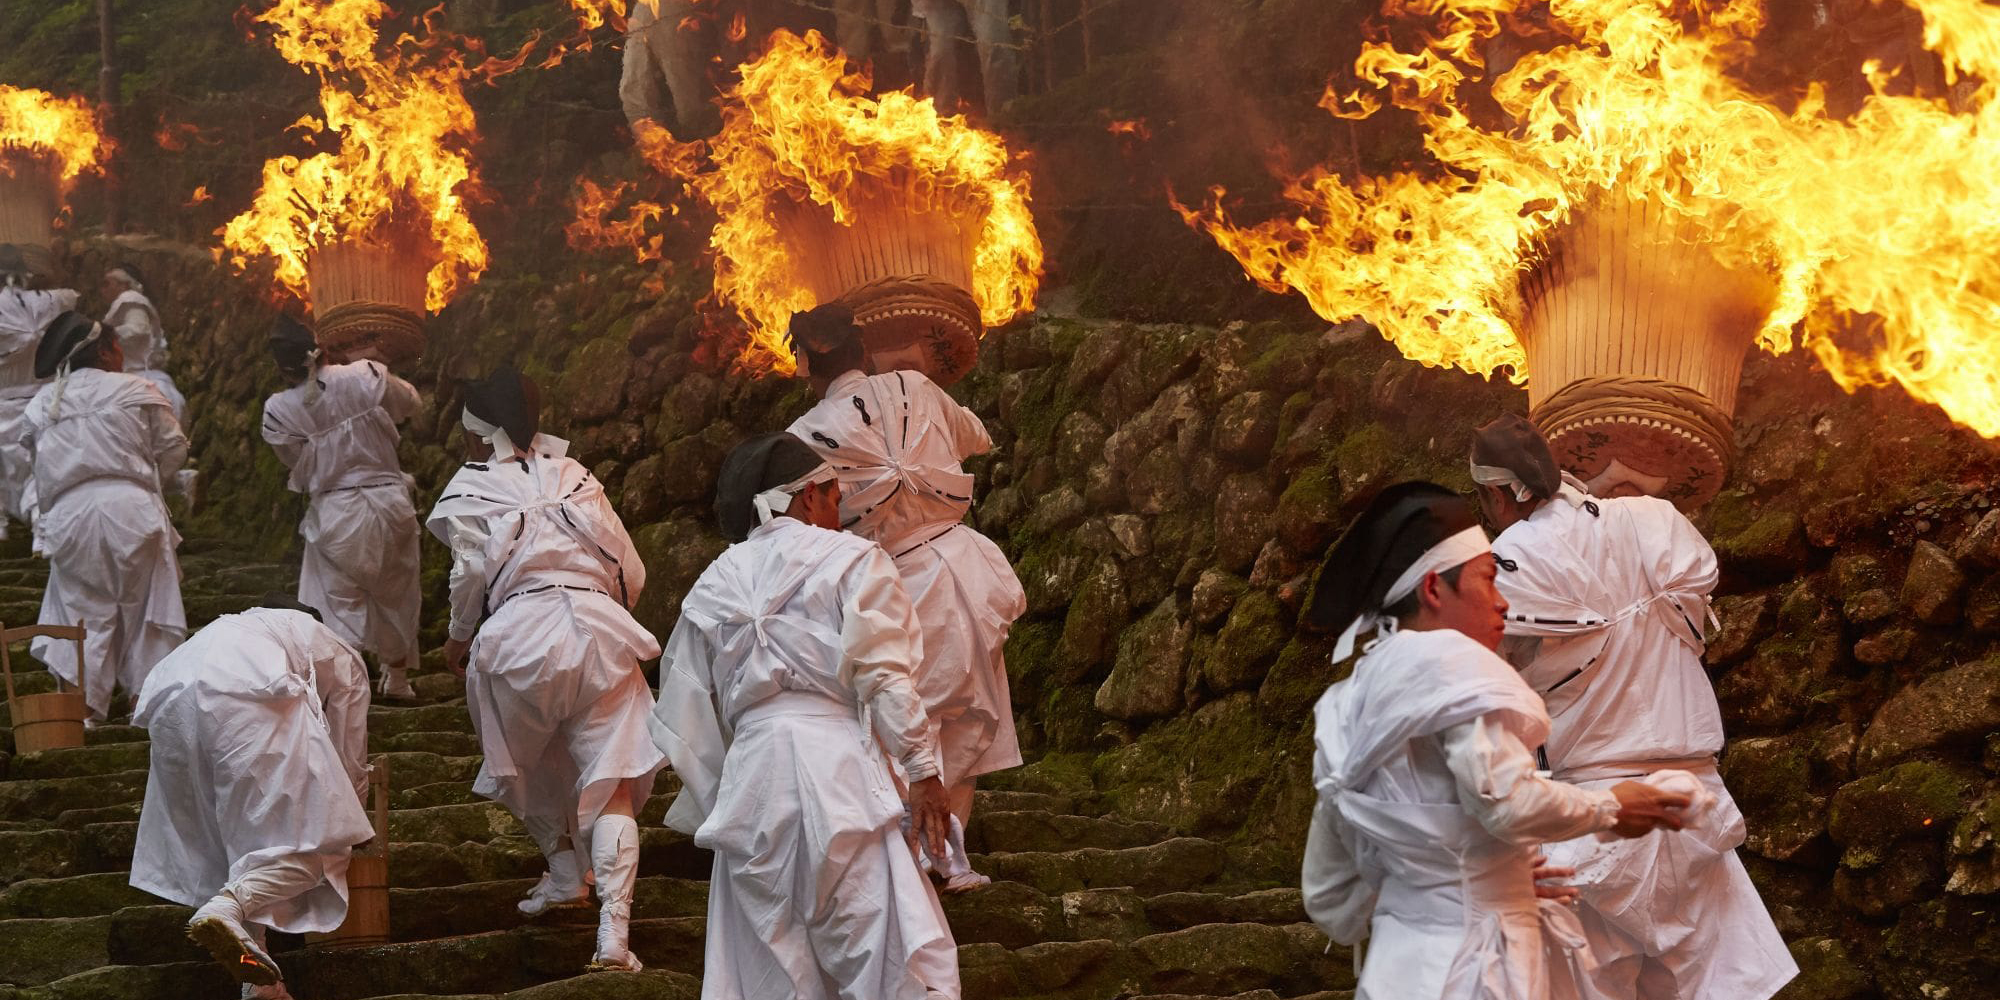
[(1959, 705), (1932, 586), (1146, 682)]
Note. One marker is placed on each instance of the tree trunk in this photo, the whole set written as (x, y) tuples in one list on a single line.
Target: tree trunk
[(107, 115)]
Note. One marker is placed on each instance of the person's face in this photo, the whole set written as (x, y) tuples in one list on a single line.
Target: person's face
[(110, 353), (110, 286), (476, 448), (818, 505), (1500, 508), (1475, 606)]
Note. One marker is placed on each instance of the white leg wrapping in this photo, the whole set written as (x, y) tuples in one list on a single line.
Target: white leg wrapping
[(562, 885), (614, 854)]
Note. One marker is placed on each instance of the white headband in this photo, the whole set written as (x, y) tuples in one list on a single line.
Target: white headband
[(778, 499), (1569, 489), (131, 280), (1446, 555), (503, 446), (1494, 475)]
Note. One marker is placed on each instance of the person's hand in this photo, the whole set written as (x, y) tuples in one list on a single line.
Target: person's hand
[(930, 816), (456, 651), (1641, 808), (1565, 894)]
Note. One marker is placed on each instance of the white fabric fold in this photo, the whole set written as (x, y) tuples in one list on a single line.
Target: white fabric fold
[(1446, 555)]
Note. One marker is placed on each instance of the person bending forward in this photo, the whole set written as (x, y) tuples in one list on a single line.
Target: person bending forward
[(896, 441), (1608, 599), (791, 658), (335, 429), (255, 792), (1429, 804), (103, 441), (552, 673), (24, 314)]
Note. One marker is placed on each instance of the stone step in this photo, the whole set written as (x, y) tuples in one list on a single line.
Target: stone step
[(1203, 961), (43, 951), (1047, 831), (494, 962), (396, 720), (1016, 915), (78, 762), (652, 984), (1176, 865), (46, 797), (441, 744), (74, 896)]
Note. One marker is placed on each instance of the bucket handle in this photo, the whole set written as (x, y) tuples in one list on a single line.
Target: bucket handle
[(378, 782), (10, 636)]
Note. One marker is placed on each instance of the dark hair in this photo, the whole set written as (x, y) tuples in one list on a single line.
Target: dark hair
[(1412, 603), (828, 339)]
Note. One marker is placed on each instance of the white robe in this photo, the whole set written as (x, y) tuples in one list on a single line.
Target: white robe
[(1429, 809), (337, 434), (1612, 596), (23, 317), (791, 657), (259, 728), (554, 685), (144, 340), (99, 462), (896, 441)]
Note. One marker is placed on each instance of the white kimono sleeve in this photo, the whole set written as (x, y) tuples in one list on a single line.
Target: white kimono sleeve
[(288, 444), (468, 575), (343, 689), (1498, 785), (400, 399), (881, 647), (630, 566), (687, 725), (169, 442), (1338, 898), (968, 432)]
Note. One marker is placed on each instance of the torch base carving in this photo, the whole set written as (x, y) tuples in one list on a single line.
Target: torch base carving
[(379, 331), (917, 322), (1628, 436)]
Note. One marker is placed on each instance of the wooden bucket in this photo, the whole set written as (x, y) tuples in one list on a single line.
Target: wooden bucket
[(905, 267), (51, 721), (367, 920), (1635, 336), (368, 298), (29, 203)]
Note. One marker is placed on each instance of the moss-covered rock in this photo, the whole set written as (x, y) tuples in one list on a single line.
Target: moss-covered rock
[(1955, 707), (1931, 587), (1151, 668), (1913, 799), (1247, 645), (1090, 630)]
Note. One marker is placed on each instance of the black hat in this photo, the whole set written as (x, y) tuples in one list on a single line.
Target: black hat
[(1510, 442), (1402, 523), (752, 467), (508, 400), (827, 332), (62, 339), (292, 343), (12, 261)]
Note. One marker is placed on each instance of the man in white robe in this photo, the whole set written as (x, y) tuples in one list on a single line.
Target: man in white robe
[(255, 794), (989, 23), (143, 339), (103, 442), (1429, 805), (896, 441), (335, 429), (665, 43), (24, 313), (792, 658), (1608, 602), (542, 577)]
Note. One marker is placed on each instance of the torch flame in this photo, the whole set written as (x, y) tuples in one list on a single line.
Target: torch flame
[(62, 128), (402, 124), (799, 129), (1884, 220)]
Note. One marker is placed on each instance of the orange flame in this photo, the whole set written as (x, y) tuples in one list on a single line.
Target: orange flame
[(1133, 127), (402, 124), (1884, 219), (612, 217), (64, 129), (200, 197), (798, 129)]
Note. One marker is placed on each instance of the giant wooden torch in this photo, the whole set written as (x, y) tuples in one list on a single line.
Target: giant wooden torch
[(368, 295), (1635, 336), (906, 272), (29, 202)]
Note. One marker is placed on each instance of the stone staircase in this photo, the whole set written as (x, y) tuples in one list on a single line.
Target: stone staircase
[(1084, 905)]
